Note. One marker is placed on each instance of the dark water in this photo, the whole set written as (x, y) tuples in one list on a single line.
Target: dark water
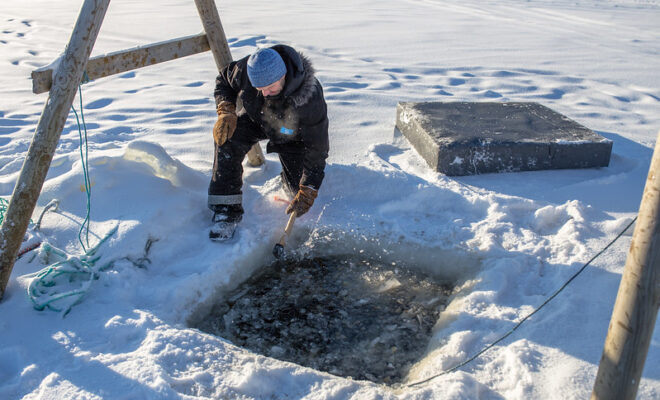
[(346, 316)]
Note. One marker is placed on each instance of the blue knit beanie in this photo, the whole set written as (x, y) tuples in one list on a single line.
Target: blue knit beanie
[(265, 67)]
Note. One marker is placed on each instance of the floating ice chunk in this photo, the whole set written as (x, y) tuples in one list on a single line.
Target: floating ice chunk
[(389, 284), (457, 161)]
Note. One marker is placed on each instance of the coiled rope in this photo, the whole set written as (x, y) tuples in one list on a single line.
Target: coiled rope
[(548, 300), (74, 274)]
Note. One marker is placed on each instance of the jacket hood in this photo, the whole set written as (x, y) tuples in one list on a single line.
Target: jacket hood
[(300, 82)]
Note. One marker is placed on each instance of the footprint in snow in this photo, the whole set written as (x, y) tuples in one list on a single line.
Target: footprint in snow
[(194, 102), (505, 74), (491, 94), (456, 81), (116, 117), (249, 41), (194, 84), (176, 131), (555, 95), (99, 104)]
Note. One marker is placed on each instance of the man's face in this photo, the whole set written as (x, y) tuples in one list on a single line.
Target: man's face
[(273, 89)]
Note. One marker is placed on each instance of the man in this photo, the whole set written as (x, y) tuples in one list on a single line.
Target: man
[(272, 94)]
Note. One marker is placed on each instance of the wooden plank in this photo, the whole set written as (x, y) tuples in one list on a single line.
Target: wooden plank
[(127, 60), (47, 135), (222, 56), (636, 307)]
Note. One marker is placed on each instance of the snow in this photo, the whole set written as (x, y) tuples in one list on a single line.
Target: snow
[(510, 240)]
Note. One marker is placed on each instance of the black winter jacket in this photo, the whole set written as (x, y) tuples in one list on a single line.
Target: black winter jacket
[(295, 121)]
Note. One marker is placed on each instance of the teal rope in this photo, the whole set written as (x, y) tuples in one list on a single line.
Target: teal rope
[(84, 157), (73, 273), (3, 208), (85, 77), (506, 335)]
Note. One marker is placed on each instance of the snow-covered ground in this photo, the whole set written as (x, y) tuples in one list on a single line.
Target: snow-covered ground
[(511, 239)]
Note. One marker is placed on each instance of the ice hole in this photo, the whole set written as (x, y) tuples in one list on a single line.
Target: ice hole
[(350, 316)]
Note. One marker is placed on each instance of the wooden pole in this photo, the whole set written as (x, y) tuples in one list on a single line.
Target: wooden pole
[(47, 135), (214, 31), (222, 56), (636, 307)]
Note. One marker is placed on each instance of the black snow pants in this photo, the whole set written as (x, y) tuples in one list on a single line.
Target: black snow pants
[(227, 176)]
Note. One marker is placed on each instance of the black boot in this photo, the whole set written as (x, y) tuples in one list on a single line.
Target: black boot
[(225, 220)]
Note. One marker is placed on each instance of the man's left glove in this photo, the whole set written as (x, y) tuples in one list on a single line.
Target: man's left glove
[(303, 200), (226, 124)]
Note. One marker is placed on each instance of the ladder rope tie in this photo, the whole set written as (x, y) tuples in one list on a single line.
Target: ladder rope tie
[(85, 78)]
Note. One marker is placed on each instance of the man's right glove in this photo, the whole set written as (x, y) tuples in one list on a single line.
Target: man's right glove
[(226, 124), (303, 201)]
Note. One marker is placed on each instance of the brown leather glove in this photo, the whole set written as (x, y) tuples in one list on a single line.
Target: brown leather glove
[(226, 124), (303, 200)]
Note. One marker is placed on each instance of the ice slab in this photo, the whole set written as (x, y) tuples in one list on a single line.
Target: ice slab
[(464, 138)]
